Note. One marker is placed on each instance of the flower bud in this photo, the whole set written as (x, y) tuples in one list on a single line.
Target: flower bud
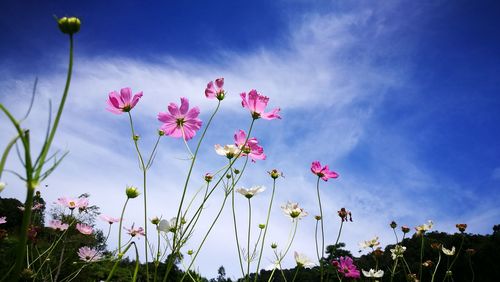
[(262, 226), (393, 224), (136, 137), (69, 25), (183, 220), (236, 171), (275, 173), (461, 227), (317, 217), (405, 229), (208, 177), (274, 245), (132, 192), (161, 132), (228, 176), (155, 220), (190, 252)]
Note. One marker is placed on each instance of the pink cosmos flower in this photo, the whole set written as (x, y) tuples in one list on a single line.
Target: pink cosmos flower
[(88, 255), (257, 103), (3, 219), (84, 228), (346, 267), (135, 231), (252, 147), (70, 203), (180, 121), (109, 219), (119, 103), (323, 172), (215, 91), (58, 225)]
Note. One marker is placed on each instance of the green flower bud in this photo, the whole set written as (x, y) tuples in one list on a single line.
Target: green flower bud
[(236, 171), (393, 224), (161, 132), (190, 252), (155, 220), (132, 192), (262, 226), (136, 137), (274, 245), (69, 25)]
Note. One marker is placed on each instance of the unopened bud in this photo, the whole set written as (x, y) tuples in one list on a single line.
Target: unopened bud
[(136, 137), (275, 173), (262, 226), (132, 192), (274, 245), (208, 177), (161, 132), (190, 252), (69, 25), (317, 217), (393, 224), (228, 176), (405, 229), (155, 220), (236, 171)]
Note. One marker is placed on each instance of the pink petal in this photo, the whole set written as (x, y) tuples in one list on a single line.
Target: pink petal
[(315, 167), (193, 113), (253, 96), (166, 117), (244, 102), (210, 90), (174, 110), (274, 114), (261, 103), (240, 137), (171, 130), (125, 94), (184, 105), (136, 99), (219, 82)]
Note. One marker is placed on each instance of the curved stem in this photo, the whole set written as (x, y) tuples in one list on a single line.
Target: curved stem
[(120, 227), (296, 272), (236, 232), (421, 257), (436, 268)]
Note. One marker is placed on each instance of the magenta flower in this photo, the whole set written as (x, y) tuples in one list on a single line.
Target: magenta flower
[(58, 225), (135, 231), (119, 103), (346, 267), (3, 219), (252, 147), (215, 91), (180, 121), (257, 103), (88, 255), (109, 219), (84, 228), (323, 172)]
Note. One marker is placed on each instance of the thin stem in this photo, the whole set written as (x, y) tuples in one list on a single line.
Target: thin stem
[(471, 268), (291, 236), (436, 268), (296, 272), (421, 257), (120, 227), (144, 178), (46, 145), (265, 231), (394, 268), (340, 232), (248, 238), (236, 232), (322, 232)]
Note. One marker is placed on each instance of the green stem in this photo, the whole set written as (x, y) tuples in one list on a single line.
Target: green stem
[(6, 153), (248, 239), (296, 272), (289, 244), (265, 231), (120, 227), (322, 232), (471, 268), (46, 145), (28, 204), (394, 268), (144, 189), (436, 268), (236, 232)]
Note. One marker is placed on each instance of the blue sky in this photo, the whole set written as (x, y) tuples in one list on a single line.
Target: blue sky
[(400, 98)]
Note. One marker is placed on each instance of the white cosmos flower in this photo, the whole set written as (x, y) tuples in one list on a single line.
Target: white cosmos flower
[(424, 227), (249, 193), (293, 210), (448, 252), (167, 225), (373, 273), (228, 151), (397, 252), (303, 261), (370, 243)]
